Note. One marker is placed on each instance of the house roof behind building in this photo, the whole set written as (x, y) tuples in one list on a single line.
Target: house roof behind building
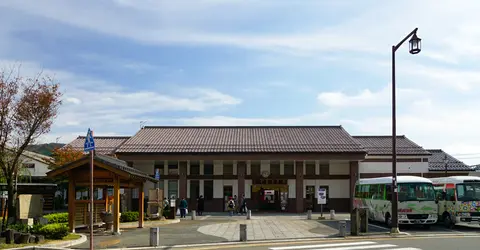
[(242, 139), (106, 145), (382, 145), (436, 162)]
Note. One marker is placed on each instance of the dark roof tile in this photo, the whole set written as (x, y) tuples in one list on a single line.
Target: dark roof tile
[(436, 162), (103, 144), (382, 145), (242, 139)]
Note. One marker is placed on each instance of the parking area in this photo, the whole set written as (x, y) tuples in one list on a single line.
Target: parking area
[(434, 229)]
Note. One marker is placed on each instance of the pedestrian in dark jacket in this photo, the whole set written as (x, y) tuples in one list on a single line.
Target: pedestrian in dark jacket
[(200, 205), (183, 208)]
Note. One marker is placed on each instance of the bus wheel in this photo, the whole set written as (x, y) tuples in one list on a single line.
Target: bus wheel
[(447, 221), (388, 220)]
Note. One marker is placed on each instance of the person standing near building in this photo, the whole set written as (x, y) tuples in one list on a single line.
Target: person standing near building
[(243, 205), (235, 200), (231, 206), (183, 208), (200, 205)]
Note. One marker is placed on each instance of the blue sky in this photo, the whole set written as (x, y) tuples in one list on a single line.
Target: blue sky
[(265, 62)]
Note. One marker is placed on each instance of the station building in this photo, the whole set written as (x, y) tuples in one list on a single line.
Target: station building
[(277, 168)]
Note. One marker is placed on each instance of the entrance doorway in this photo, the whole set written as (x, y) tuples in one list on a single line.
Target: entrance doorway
[(227, 193), (270, 197)]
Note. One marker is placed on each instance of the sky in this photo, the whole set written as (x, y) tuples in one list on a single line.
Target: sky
[(254, 62)]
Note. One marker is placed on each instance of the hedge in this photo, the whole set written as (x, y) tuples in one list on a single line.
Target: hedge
[(129, 216), (57, 218)]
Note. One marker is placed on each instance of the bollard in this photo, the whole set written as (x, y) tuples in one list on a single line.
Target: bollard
[(309, 214), (243, 232), (342, 228), (249, 214), (154, 236), (332, 214), (194, 214)]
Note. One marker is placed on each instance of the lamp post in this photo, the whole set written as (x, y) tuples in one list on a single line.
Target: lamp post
[(445, 160), (414, 48)]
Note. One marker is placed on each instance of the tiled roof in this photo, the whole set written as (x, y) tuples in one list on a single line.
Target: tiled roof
[(103, 144), (436, 162), (112, 162), (382, 145), (242, 139)]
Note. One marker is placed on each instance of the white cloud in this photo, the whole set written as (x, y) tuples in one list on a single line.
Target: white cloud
[(367, 98)]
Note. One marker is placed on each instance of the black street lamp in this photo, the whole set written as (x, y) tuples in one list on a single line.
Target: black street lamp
[(414, 48)]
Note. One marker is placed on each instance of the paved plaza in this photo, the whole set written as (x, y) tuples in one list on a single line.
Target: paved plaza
[(268, 228)]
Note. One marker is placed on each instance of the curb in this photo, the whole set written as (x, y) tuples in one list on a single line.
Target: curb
[(363, 237), (167, 222), (65, 244)]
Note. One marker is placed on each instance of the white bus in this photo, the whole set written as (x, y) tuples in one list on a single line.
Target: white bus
[(416, 200), (458, 200)]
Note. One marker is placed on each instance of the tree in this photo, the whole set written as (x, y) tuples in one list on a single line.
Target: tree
[(64, 155), (28, 107)]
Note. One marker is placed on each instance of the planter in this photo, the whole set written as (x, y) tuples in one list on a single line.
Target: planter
[(107, 218)]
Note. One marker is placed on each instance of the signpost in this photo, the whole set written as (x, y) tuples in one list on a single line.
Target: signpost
[(89, 146), (321, 199)]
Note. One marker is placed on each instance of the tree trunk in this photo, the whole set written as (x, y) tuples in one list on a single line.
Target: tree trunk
[(12, 201)]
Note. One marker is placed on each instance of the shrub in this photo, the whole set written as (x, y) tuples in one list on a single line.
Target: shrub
[(22, 228), (54, 231), (129, 216), (57, 218)]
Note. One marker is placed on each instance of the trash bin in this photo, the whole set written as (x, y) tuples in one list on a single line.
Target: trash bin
[(342, 228)]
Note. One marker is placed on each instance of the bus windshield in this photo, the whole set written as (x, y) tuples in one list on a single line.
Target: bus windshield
[(468, 191), (416, 192)]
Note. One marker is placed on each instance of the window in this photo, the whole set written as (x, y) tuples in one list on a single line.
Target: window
[(227, 168), (29, 165), (135, 193), (173, 168), (324, 169), (161, 186), (208, 189), (416, 192), (255, 168), (173, 189), (310, 168), (208, 168), (194, 168), (288, 168), (388, 192), (275, 168), (450, 194), (160, 166), (468, 192)]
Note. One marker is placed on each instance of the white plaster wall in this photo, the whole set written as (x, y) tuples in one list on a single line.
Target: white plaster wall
[(264, 166), (202, 187), (339, 168), (337, 188), (188, 188), (148, 168), (386, 167), (165, 167), (217, 167), (217, 188), (248, 189), (282, 167), (188, 167), (291, 189), (317, 167), (202, 168), (40, 168)]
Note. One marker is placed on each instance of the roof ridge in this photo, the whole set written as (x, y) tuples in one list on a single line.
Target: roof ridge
[(377, 136), (256, 126), (107, 136)]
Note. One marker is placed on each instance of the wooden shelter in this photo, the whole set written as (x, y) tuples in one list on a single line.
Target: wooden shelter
[(108, 172)]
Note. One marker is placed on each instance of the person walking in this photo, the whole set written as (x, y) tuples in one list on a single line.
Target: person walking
[(231, 206), (243, 205), (235, 200), (200, 205), (183, 208)]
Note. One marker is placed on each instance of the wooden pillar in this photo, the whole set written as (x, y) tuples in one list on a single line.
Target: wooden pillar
[(116, 205), (105, 196), (241, 172), (183, 179), (354, 175), (141, 202), (299, 189), (71, 202)]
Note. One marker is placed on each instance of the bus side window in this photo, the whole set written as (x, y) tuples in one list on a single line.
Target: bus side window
[(388, 190), (450, 195), (357, 191)]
